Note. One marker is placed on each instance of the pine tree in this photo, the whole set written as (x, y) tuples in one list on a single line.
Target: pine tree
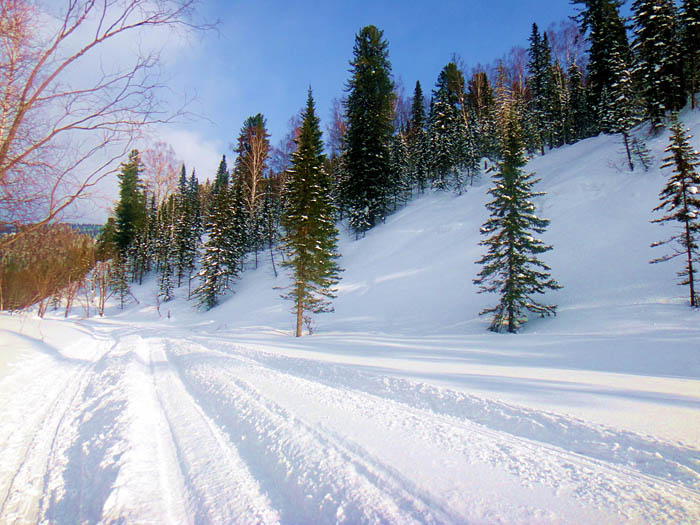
[(538, 83), (369, 109), (310, 234), (446, 130), (219, 265), (510, 266), (657, 57), (607, 35), (621, 114), (690, 47), (418, 140), (221, 178), (130, 211), (680, 201), (400, 170), (579, 121), (118, 280)]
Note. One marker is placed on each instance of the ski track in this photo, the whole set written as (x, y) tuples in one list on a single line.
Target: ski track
[(625, 485), (675, 463), (35, 454), (158, 429)]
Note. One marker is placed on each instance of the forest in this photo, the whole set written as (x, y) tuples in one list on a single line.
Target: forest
[(599, 73)]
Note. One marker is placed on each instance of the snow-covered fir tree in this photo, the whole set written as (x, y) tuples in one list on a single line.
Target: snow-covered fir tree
[(131, 208), (418, 140), (622, 114), (690, 48), (606, 34), (310, 238), (400, 171), (658, 62), (511, 267), (680, 203), (214, 273), (578, 116), (446, 130), (370, 115)]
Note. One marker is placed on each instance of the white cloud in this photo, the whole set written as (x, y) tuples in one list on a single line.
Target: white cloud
[(194, 150)]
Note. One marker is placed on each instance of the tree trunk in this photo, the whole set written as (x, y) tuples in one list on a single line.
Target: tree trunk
[(300, 318), (691, 276), (625, 137)]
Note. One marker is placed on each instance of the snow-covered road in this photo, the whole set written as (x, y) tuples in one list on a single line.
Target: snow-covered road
[(131, 424)]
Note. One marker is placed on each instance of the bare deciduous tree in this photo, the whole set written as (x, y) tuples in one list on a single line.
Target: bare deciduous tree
[(67, 116), (160, 174)]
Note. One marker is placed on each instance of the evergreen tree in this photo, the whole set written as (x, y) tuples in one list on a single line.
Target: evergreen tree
[(446, 130), (690, 47), (680, 201), (237, 230), (221, 179), (606, 35), (400, 170), (621, 114), (118, 280), (481, 102), (214, 273), (369, 109), (418, 140), (510, 266), (106, 242), (253, 150), (657, 57), (310, 234), (167, 247), (130, 211), (537, 81), (579, 121)]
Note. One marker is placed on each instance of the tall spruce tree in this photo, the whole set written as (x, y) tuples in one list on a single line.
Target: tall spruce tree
[(680, 201), (418, 140), (511, 266), (690, 47), (579, 121), (656, 49), (601, 20), (310, 235), (131, 209), (539, 84), (214, 272), (622, 114), (370, 114)]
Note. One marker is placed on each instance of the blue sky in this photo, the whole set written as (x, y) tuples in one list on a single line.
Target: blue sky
[(266, 53)]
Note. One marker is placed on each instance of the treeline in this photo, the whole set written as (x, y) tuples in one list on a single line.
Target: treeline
[(384, 148)]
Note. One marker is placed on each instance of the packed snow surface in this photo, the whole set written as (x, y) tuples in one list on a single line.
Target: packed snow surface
[(401, 407)]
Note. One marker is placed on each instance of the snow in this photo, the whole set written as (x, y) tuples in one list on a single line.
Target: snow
[(402, 407)]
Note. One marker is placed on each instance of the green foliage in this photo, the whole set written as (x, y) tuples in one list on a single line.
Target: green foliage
[(310, 235), (130, 212), (656, 49), (680, 200), (511, 267), (607, 36), (370, 115)]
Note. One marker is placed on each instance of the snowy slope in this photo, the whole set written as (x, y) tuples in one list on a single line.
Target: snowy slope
[(402, 407)]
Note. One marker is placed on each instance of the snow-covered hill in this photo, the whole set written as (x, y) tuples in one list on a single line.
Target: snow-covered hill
[(402, 407)]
